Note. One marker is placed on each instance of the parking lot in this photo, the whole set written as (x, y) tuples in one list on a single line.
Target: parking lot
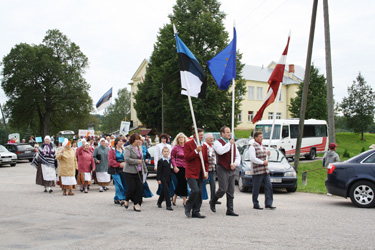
[(31, 219)]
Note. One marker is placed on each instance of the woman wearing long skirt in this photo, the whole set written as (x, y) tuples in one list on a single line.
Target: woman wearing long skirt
[(86, 164), (115, 168), (101, 165), (46, 171), (67, 167), (179, 164)]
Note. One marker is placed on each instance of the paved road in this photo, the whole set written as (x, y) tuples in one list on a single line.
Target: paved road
[(31, 219)]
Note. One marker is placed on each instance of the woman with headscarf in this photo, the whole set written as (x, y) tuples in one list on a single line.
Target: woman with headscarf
[(67, 167), (46, 171), (134, 170), (86, 164), (101, 165), (115, 168), (179, 164)]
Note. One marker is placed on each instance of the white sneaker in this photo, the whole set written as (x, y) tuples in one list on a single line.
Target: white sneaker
[(101, 189)]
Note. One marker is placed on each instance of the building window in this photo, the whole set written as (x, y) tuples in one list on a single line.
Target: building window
[(250, 91), (278, 115), (259, 93), (270, 115), (250, 116), (239, 117)]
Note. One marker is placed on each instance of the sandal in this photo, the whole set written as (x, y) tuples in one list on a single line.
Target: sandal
[(116, 202)]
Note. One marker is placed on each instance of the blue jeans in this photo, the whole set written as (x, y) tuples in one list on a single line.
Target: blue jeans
[(257, 181), (120, 186)]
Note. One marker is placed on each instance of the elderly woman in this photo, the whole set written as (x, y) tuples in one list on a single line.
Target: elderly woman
[(179, 164), (134, 170), (86, 164), (101, 165), (67, 167), (46, 171), (116, 164)]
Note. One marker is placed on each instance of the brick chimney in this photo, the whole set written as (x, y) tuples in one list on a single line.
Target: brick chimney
[(291, 68)]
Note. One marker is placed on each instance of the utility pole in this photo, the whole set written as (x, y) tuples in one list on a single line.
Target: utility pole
[(162, 107), (5, 124), (331, 114), (306, 83)]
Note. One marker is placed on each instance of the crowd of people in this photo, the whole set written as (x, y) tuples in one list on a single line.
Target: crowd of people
[(182, 168)]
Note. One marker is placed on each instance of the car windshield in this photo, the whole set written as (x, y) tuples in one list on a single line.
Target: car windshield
[(3, 149), (276, 156)]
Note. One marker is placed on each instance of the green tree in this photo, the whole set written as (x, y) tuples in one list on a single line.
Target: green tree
[(359, 106), (45, 86), (200, 26), (117, 112), (316, 98)]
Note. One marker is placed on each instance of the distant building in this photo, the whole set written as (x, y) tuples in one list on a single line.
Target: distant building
[(256, 90)]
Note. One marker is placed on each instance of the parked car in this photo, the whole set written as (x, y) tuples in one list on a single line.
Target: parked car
[(354, 178), (150, 164), (7, 157), (282, 173), (242, 144), (24, 151)]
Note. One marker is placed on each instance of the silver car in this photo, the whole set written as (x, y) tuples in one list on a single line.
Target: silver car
[(7, 157)]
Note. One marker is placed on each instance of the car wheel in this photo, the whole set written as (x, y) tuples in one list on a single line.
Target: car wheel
[(291, 189), (312, 154), (13, 164), (362, 194), (241, 186)]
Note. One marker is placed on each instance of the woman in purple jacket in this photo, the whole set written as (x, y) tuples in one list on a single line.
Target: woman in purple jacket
[(179, 164)]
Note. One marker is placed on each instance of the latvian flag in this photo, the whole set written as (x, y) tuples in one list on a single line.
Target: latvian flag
[(274, 82), (191, 72), (105, 100)]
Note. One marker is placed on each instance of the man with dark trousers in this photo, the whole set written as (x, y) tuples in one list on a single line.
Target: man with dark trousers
[(194, 174), (261, 174), (225, 169)]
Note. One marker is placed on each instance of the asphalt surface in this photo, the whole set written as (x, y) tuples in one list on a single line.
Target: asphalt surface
[(31, 219)]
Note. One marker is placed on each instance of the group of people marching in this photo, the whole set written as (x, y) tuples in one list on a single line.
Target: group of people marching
[(182, 169)]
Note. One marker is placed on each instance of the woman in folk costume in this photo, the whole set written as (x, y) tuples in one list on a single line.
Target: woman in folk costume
[(146, 158), (86, 164), (67, 167), (101, 165), (46, 172)]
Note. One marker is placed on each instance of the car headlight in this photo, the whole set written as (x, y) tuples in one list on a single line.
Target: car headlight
[(290, 174)]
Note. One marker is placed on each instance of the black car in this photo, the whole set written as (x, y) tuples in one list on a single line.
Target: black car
[(24, 151), (354, 178)]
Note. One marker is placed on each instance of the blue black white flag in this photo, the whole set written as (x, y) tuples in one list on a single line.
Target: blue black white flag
[(105, 100), (191, 71), (223, 65)]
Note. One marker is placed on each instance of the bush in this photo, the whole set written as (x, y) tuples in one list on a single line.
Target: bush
[(346, 154), (363, 149)]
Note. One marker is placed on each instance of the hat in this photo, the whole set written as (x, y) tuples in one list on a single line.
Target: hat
[(65, 142), (332, 145), (47, 137), (372, 146), (101, 139)]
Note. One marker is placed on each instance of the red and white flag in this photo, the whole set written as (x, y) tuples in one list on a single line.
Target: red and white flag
[(274, 82)]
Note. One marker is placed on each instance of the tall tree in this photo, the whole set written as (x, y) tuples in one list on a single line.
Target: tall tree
[(45, 85), (200, 27), (316, 99), (117, 112), (359, 106)]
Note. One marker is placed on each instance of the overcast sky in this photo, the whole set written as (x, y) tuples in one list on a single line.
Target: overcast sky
[(116, 35)]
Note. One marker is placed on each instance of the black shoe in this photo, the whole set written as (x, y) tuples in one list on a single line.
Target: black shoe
[(270, 207), (174, 204), (218, 203), (105, 188), (169, 208), (231, 213), (50, 191), (159, 205), (212, 206), (45, 191), (198, 215), (117, 202), (187, 213), (258, 207)]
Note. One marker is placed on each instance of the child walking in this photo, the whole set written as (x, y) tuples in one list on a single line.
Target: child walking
[(164, 174)]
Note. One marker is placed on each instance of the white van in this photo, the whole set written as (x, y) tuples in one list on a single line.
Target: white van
[(315, 136)]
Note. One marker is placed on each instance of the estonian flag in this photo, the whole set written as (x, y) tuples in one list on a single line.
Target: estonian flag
[(105, 100), (191, 72), (223, 65)]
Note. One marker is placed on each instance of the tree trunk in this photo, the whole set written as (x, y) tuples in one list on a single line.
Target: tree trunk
[(362, 138), (46, 123), (41, 122)]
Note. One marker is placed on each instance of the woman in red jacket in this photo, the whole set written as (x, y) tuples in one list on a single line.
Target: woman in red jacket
[(86, 164)]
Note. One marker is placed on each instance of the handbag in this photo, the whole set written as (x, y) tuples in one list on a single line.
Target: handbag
[(111, 170)]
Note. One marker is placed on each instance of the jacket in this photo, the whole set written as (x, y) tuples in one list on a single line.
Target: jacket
[(330, 157), (193, 161), (102, 153), (67, 162), (132, 161), (85, 161), (164, 171)]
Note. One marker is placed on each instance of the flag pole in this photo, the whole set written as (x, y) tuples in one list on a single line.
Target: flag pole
[(193, 117), (274, 117), (232, 146)]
